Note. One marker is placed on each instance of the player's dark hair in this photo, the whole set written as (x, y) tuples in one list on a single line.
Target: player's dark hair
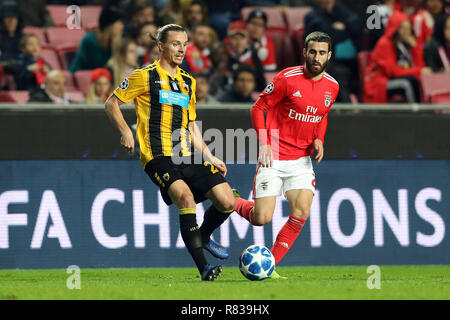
[(163, 32), (318, 36)]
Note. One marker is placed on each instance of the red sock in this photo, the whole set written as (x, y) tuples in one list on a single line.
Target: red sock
[(245, 209), (286, 237)]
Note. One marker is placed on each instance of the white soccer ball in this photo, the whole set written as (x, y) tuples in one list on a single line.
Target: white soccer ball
[(256, 262)]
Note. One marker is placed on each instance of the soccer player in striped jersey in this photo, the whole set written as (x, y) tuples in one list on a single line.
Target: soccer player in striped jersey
[(297, 102), (164, 98)]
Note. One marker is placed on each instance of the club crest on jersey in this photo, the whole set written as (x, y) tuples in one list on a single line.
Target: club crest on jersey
[(166, 177), (327, 100), (263, 185), (124, 84), (269, 88)]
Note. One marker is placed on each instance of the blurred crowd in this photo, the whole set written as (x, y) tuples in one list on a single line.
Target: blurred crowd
[(381, 49)]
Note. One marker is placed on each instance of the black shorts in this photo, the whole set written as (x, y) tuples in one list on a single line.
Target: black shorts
[(199, 177)]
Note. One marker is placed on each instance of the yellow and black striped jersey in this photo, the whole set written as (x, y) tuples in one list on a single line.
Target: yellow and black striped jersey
[(164, 106)]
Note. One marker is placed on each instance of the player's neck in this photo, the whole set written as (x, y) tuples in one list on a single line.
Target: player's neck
[(172, 69), (314, 77)]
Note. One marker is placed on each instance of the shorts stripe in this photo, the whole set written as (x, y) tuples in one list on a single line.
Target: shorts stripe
[(254, 181)]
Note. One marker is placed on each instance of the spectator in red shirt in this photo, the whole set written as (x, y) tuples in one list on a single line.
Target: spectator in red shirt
[(263, 44), (384, 10), (197, 52), (240, 52), (423, 20), (396, 63)]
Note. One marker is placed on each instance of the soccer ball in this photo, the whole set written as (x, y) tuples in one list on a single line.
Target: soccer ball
[(256, 262)]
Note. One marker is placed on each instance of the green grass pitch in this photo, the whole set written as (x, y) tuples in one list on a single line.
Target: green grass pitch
[(334, 282)]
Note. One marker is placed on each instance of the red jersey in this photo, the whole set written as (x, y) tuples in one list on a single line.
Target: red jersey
[(197, 59), (298, 107), (266, 53)]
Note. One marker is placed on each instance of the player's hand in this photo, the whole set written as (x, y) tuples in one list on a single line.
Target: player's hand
[(220, 165), (265, 156), (127, 141), (318, 146)]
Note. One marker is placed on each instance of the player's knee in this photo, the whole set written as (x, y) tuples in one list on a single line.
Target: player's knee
[(302, 213), (186, 200), (227, 204), (261, 218)]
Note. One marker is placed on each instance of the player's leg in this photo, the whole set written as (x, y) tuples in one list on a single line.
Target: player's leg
[(205, 181), (182, 197), (175, 190), (300, 203), (266, 187), (222, 206)]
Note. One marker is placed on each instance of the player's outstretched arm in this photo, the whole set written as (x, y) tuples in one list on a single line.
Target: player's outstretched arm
[(112, 108)]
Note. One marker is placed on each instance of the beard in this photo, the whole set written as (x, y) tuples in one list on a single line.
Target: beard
[(315, 70)]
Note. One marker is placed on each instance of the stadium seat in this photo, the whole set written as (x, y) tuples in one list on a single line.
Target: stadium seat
[(90, 16), (295, 17), (70, 83), (21, 97), (435, 84), (82, 80), (441, 98), (8, 82), (37, 32), (58, 14), (62, 37), (51, 57), (270, 75), (76, 96), (275, 18), (255, 95), (66, 55), (285, 53)]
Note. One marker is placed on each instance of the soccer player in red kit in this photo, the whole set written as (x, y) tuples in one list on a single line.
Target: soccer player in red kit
[(297, 102)]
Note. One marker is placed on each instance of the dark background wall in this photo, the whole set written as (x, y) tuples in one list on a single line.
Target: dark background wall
[(88, 134)]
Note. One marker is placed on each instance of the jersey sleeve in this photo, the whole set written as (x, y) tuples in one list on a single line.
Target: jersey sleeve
[(192, 102), (274, 92), (269, 98), (322, 129), (131, 87)]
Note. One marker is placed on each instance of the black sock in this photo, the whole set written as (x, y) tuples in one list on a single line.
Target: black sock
[(192, 238), (212, 220)]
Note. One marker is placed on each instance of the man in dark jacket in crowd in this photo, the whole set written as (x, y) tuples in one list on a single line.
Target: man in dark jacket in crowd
[(241, 90), (344, 27)]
